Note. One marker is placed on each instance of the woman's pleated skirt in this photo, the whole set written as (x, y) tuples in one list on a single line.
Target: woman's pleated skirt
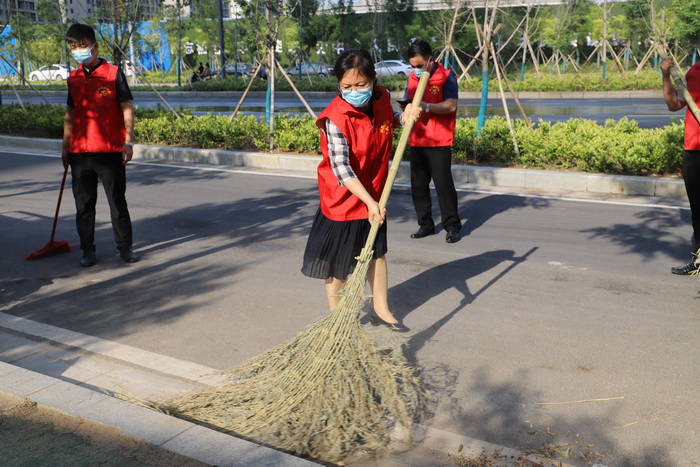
[(333, 246)]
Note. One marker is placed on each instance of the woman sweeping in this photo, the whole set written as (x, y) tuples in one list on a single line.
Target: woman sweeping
[(357, 131)]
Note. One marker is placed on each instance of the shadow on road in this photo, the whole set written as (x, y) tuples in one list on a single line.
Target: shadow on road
[(651, 235), (116, 297), (508, 415), (415, 292)]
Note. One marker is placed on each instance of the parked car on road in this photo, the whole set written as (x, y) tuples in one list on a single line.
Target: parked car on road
[(311, 69), (128, 69), (50, 73), (393, 68), (240, 69)]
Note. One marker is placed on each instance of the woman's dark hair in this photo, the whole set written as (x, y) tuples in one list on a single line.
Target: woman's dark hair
[(78, 32), (355, 59), (419, 47)]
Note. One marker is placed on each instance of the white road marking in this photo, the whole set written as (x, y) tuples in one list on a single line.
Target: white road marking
[(125, 353)]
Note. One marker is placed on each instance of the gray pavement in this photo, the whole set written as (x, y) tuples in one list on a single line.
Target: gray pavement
[(71, 371)]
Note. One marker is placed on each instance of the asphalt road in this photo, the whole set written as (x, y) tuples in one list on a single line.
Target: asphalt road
[(552, 321), (649, 113)]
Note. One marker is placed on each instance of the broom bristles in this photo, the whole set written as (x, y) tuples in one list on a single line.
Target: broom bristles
[(325, 393)]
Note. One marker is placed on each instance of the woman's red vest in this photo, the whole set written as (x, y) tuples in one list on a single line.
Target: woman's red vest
[(98, 119), (432, 130), (370, 145)]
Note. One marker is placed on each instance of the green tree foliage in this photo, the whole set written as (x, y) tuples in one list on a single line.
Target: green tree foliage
[(687, 26), (637, 14), (51, 13)]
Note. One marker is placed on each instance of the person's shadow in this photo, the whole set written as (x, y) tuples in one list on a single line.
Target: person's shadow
[(413, 293)]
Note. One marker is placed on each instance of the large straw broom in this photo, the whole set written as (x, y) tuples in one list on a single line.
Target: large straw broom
[(329, 391)]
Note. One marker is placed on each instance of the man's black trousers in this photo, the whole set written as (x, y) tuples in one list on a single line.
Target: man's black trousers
[(86, 169), (436, 164)]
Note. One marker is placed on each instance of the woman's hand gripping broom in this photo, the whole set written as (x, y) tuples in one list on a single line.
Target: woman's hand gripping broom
[(329, 391)]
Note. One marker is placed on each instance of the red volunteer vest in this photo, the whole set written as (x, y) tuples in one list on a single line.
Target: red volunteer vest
[(370, 146), (432, 130), (691, 140), (98, 120)]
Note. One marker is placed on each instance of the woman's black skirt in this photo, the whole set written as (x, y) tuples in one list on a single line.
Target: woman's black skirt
[(333, 246)]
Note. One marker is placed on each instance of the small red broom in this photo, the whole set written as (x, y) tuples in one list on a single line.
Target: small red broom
[(53, 247)]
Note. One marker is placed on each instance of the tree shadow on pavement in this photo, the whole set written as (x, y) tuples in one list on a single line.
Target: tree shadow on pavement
[(475, 209), (507, 413), (652, 235), (114, 298), (476, 212)]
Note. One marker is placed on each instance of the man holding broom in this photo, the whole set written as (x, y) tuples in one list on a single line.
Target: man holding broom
[(691, 143), (98, 141), (431, 143)]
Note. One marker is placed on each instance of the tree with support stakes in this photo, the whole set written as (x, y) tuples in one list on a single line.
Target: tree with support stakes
[(658, 33), (561, 31), (448, 28), (488, 31), (266, 28), (604, 47)]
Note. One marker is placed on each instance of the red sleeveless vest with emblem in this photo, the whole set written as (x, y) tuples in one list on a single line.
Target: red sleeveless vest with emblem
[(691, 140), (370, 146), (432, 130), (98, 120)]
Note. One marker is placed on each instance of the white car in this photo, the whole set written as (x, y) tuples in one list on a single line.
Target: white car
[(50, 73), (393, 68)]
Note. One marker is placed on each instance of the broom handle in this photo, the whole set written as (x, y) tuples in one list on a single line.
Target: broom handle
[(680, 84), (58, 205), (396, 162)]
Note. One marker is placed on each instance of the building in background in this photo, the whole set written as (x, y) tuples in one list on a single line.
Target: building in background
[(10, 8)]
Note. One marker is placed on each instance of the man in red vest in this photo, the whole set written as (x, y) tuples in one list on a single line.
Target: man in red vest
[(431, 143), (691, 143), (98, 141)]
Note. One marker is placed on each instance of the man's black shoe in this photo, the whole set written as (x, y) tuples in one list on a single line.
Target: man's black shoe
[(686, 269), (129, 256), (88, 258), (453, 236), (423, 232)]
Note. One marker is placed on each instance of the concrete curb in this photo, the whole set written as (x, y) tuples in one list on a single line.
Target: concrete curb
[(662, 187), (176, 435)]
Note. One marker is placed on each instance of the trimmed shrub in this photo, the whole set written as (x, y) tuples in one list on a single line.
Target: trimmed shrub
[(39, 121), (617, 147)]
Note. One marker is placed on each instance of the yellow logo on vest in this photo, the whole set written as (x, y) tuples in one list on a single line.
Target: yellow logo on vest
[(434, 89), (385, 128), (103, 91)]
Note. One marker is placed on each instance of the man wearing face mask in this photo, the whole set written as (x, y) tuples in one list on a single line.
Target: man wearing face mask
[(98, 141), (431, 143)]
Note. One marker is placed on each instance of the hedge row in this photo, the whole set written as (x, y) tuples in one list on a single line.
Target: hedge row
[(617, 147)]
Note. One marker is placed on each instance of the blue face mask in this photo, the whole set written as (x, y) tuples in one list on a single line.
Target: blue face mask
[(419, 71), (357, 97), (83, 56)]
